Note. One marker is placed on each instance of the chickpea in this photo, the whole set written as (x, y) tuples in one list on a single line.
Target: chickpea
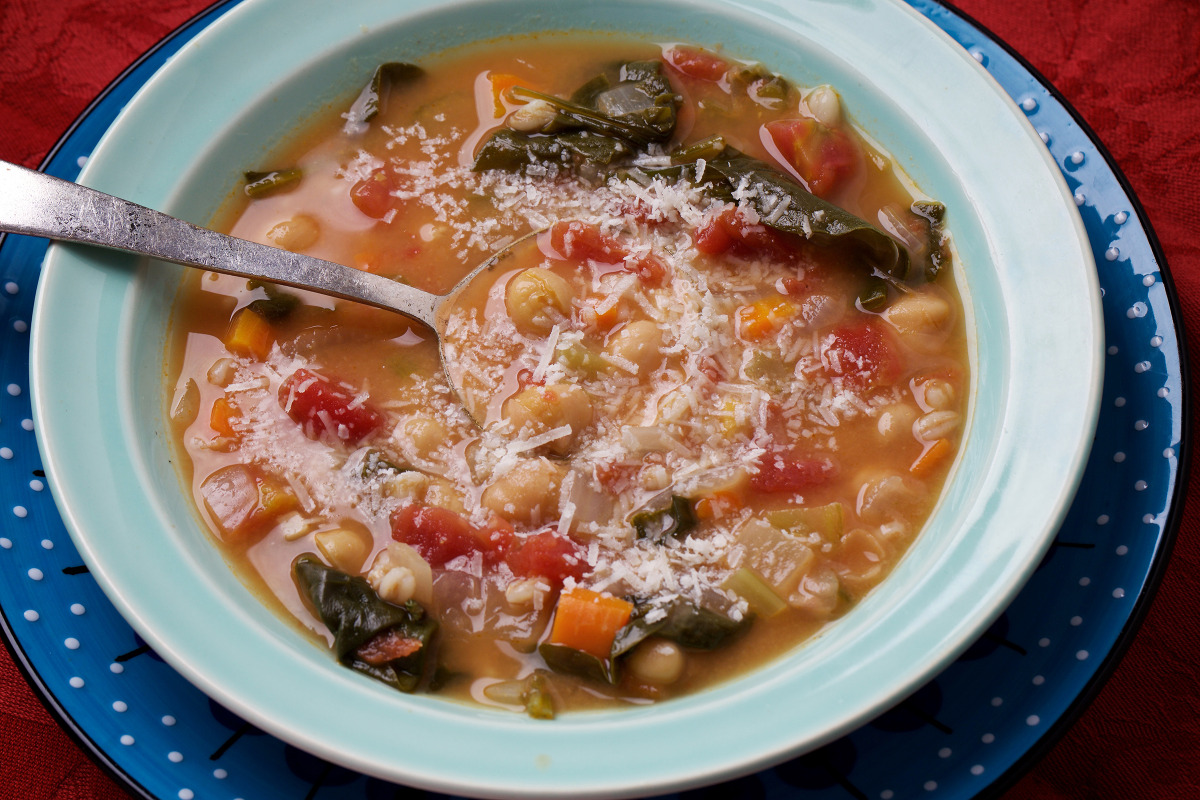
[(400, 574), (422, 435), (886, 496), (295, 234), (825, 105), (920, 312), (186, 404), (536, 299), (896, 421), (640, 343), (817, 593), (538, 409), (862, 556), (444, 493), (657, 661), (528, 492), (344, 548)]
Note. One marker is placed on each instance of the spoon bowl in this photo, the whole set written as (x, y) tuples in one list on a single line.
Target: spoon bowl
[(36, 204)]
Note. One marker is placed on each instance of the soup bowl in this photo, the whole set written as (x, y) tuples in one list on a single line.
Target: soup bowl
[(226, 101)]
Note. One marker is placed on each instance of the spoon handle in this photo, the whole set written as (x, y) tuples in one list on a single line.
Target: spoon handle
[(37, 204)]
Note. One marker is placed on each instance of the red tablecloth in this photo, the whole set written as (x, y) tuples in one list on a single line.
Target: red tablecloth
[(1132, 69)]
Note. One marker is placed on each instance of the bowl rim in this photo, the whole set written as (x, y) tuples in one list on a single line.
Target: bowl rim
[(72, 489)]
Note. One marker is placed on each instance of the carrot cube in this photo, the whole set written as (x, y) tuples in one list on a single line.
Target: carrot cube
[(589, 621), (249, 334)]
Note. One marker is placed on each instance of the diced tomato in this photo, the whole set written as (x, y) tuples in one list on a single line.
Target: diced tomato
[(441, 535), (319, 405), (780, 473), (649, 268), (550, 556), (823, 157), (729, 230), (862, 354), (373, 194), (583, 242), (697, 63), (387, 646)]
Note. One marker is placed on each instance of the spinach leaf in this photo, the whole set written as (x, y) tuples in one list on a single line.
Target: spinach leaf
[(356, 616), (676, 520), (570, 661), (263, 184), (938, 255), (512, 150), (371, 99), (683, 622)]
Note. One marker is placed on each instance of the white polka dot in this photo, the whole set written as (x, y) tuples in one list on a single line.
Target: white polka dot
[(1136, 310), (945, 752), (14, 390), (47, 544), (11, 288), (32, 616), (1163, 393), (35, 574), (20, 325), (20, 512), (1119, 593), (6, 453), (1148, 281), (1169, 452), (220, 774), (76, 683), (1044, 136), (6, 543), (1076, 621), (1032, 719), (1082, 655), (931, 786), (1141, 366), (27, 424), (977, 769), (168, 720), (127, 740), (1112, 254), (1102, 519), (1038, 680), (997, 702), (1076, 158), (988, 738), (175, 756), (186, 794), (71, 643), (116, 668), (81, 161), (887, 794), (1121, 550), (36, 485), (1141, 425), (1140, 486), (978, 55), (1043, 642), (1084, 581), (1118, 457), (1148, 519), (1029, 104), (1119, 402), (1080, 198), (120, 706), (77, 609), (1120, 217)]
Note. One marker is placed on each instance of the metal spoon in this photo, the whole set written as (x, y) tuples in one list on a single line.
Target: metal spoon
[(37, 204)]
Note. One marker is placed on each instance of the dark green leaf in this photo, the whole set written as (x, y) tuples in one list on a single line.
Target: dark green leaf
[(355, 614), (709, 148), (371, 99), (512, 151), (874, 296), (677, 520), (374, 462), (683, 622), (262, 184), (570, 661), (938, 256)]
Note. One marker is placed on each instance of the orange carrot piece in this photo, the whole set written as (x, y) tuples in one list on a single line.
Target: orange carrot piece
[(763, 317), (220, 419), (502, 84), (249, 335), (589, 621), (718, 504), (930, 458)]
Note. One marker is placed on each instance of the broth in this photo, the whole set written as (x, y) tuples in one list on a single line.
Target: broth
[(714, 409)]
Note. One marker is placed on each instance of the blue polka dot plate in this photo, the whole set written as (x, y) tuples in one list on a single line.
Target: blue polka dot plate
[(957, 735)]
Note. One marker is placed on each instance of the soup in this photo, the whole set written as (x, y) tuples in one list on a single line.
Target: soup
[(703, 409)]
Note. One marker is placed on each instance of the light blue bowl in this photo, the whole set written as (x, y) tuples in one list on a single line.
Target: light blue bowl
[(229, 97)]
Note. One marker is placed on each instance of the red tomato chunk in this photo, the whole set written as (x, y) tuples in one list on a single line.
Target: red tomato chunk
[(373, 194), (697, 63), (583, 242), (824, 158), (729, 231), (550, 556), (862, 354), (441, 535), (779, 473), (319, 405)]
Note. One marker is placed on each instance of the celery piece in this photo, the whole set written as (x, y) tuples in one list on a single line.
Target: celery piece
[(828, 520), (262, 184), (581, 358), (746, 584), (708, 148), (539, 704)]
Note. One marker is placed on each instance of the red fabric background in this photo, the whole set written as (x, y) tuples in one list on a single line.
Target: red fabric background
[(1132, 69)]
